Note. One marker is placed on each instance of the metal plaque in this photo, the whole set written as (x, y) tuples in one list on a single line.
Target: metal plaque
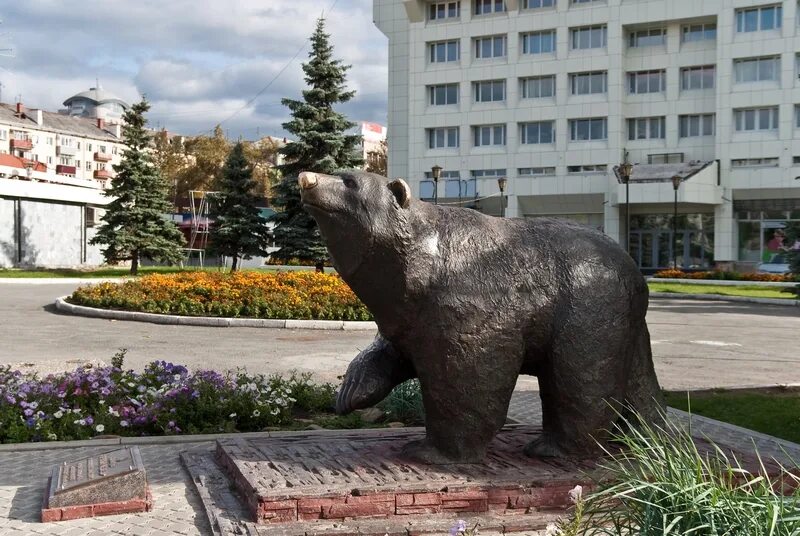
[(87, 471)]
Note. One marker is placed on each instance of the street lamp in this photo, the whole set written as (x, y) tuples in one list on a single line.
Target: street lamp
[(676, 183), (502, 182), (436, 173), (625, 172)]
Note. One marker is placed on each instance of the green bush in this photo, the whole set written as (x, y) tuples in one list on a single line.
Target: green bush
[(404, 403)]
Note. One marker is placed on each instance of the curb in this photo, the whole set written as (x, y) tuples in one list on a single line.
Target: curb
[(722, 282), (207, 321), (719, 297)]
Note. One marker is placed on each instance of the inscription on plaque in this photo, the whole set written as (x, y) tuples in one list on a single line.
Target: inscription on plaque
[(117, 475), (78, 473)]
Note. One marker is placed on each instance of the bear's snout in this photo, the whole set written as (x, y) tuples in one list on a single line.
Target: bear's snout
[(307, 180)]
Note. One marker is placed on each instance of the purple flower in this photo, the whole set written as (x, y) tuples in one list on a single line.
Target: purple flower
[(89, 420), (28, 412), (10, 399)]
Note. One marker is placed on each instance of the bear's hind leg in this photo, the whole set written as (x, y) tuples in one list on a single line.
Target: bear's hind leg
[(580, 382)]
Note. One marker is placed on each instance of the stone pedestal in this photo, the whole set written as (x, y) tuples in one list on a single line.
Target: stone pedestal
[(113, 482), (349, 475)]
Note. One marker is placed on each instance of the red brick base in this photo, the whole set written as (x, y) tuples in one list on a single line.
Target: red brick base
[(67, 513), (358, 476)]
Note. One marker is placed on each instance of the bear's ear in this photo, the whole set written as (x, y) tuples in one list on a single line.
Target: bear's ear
[(401, 192)]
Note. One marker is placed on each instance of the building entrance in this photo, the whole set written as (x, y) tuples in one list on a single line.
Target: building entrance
[(651, 241)]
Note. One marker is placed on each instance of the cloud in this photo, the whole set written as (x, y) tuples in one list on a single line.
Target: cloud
[(198, 61)]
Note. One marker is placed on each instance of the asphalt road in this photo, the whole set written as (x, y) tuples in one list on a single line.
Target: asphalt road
[(695, 344)]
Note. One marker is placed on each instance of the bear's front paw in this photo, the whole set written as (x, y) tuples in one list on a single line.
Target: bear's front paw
[(544, 446)]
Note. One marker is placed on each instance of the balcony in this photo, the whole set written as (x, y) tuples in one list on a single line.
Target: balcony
[(63, 150), (102, 157), (23, 144), (102, 174), (62, 169)]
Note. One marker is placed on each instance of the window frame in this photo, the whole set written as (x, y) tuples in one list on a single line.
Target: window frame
[(575, 36), (574, 125), (525, 91), (478, 45), (757, 116), (446, 8), (705, 28), (635, 128), (686, 73), (527, 38), (738, 69), (433, 54), (634, 83), (575, 80), (741, 18), (633, 37), (685, 125), (432, 94), (525, 135), (478, 132), (432, 134), (477, 91)]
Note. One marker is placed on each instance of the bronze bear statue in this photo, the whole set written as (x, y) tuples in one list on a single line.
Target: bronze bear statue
[(467, 302)]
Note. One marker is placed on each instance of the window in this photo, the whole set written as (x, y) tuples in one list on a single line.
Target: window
[(537, 132), (539, 42), (536, 171), (490, 47), (692, 126), (752, 119), (584, 1), (648, 38), (441, 95), (757, 69), (589, 37), (88, 166), (595, 168), (592, 129), (758, 19), (646, 128), (490, 91), (426, 187), (538, 87), (65, 160), (49, 159), (3, 134), (77, 165), (588, 83), (488, 173), (441, 52), (442, 138), (536, 4), (484, 7), (444, 10), (49, 141), (698, 77), (486, 135), (797, 115), (102, 149), (699, 32), (754, 162), (647, 82), (89, 147), (114, 149)]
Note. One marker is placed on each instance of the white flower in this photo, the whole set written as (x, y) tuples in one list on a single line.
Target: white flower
[(76, 410), (256, 413), (552, 530), (575, 494), (123, 423), (82, 422), (232, 415), (131, 384), (58, 414), (100, 428), (102, 402), (275, 411), (51, 436), (176, 377), (112, 411)]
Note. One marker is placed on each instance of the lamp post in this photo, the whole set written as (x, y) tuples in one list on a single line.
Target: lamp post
[(676, 183), (625, 172), (436, 173), (502, 182)]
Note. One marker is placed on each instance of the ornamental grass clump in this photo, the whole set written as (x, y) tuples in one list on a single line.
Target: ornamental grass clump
[(164, 399), (282, 295), (662, 484)]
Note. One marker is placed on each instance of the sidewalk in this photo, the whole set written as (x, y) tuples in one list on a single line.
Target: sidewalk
[(179, 511)]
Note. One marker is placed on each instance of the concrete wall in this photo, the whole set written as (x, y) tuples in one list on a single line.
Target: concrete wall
[(50, 235)]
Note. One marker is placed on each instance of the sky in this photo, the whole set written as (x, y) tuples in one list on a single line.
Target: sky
[(198, 62)]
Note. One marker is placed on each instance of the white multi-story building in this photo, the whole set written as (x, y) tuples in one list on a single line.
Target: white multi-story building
[(66, 145), (554, 94)]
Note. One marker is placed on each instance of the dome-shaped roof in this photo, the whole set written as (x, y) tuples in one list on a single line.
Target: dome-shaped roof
[(98, 95)]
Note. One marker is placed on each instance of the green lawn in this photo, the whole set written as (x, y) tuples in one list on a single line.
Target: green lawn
[(787, 293), (775, 413), (100, 272)]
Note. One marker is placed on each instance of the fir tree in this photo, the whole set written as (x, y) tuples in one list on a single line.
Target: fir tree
[(321, 145), (134, 225), (238, 230)]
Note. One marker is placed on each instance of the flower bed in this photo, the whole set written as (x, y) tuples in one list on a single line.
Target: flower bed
[(163, 399), (282, 295), (726, 276)]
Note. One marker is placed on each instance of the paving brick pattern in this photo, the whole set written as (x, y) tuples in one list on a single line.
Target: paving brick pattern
[(363, 474), (176, 510)]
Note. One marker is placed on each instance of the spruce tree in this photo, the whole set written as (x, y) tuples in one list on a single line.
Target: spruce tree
[(134, 225), (238, 230), (321, 145)]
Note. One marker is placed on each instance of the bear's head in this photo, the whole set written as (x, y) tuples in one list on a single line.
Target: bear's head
[(359, 214)]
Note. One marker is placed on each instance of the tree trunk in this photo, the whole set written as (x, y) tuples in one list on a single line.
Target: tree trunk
[(135, 262), (235, 263)]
